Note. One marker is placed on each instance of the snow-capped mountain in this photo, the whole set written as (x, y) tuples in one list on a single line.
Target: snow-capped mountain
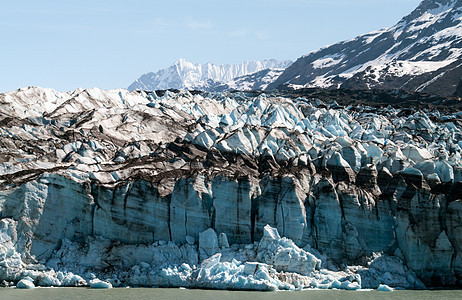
[(210, 77), (255, 81), (423, 52)]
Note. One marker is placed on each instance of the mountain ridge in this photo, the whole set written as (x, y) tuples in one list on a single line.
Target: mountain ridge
[(424, 42), (421, 53), (186, 75)]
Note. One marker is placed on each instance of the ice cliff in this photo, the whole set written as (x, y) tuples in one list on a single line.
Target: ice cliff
[(226, 190)]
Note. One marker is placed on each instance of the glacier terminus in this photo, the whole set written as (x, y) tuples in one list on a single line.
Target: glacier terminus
[(227, 190), (341, 170)]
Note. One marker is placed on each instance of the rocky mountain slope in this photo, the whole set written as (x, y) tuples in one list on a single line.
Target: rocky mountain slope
[(254, 81), (175, 189), (211, 77), (423, 53)]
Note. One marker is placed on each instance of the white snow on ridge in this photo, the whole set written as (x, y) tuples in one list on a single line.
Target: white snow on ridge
[(254, 80), (428, 39), (431, 16), (371, 36), (419, 67), (442, 8), (455, 31), (404, 68), (322, 81), (379, 68), (327, 61), (384, 66), (187, 75)]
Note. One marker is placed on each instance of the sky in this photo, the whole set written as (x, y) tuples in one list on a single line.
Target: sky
[(68, 44)]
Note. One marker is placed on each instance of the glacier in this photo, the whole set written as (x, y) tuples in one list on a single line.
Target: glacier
[(226, 190)]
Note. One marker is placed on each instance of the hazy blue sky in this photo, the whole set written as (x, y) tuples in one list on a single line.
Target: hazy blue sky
[(67, 44)]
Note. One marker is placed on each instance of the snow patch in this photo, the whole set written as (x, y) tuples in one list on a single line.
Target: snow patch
[(327, 61)]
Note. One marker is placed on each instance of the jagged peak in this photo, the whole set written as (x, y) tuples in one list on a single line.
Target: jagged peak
[(432, 7), (188, 75), (282, 63), (181, 60), (427, 40), (432, 4)]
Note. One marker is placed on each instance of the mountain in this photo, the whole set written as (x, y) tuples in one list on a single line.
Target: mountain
[(423, 52), (210, 77), (254, 81)]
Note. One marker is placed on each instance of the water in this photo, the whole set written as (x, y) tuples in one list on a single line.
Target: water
[(146, 293)]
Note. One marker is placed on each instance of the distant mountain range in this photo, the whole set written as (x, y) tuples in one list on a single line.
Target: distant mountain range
[(182, 74), (422, 53)]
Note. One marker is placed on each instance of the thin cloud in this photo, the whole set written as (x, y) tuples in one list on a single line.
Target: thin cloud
[(262, 34), (244, 33), (239, 33), (154, 26), (200, 25), (159, 24)]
